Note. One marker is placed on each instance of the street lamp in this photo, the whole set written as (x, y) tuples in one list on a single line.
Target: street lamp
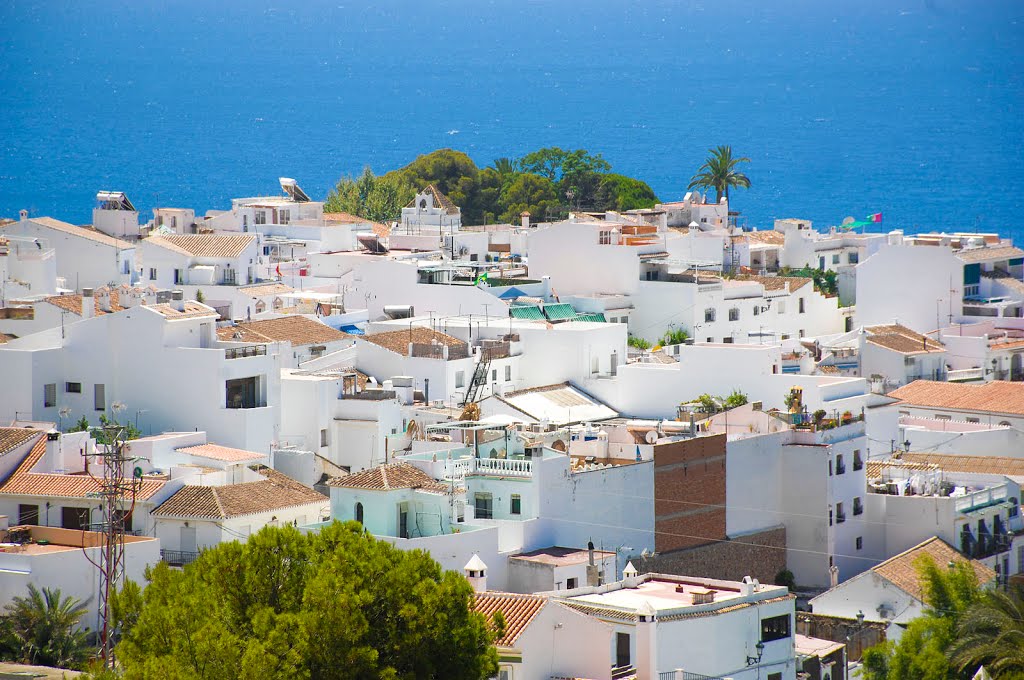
[(752, 660)]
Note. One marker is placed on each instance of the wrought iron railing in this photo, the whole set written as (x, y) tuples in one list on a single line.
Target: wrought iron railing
[(178, 558), (247, 351)]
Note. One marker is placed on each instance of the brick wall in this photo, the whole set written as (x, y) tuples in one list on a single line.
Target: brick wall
[(689, 492), (760, 555)]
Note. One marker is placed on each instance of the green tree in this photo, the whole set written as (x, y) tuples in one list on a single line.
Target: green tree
[(621, 193), (528, 192), (922, 652), (991, 633), (200, 298), (42, 628), (638, 342), (719, 173), (380, 199), (507, 168), (335, 604), (81, 426), (735, 399), (546, 162)]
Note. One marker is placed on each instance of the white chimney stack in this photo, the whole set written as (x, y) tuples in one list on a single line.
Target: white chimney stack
[(476, 573), (525, 219), (629, 572), (23, 214), (178, 300), (88, 304)]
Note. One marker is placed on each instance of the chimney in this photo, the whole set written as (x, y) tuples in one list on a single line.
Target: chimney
[(663, 221), (476, 573), (592, 576), (546, 281), (647, 641), (426, 390), (629, 572), (525, 219), (23, 215), (88, 304), (178, 300)]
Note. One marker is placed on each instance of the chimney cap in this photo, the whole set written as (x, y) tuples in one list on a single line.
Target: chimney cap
[(87, 292), (178, 295), (475, 564)]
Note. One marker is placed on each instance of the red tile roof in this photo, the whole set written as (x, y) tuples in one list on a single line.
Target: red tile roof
[(73, 303), (13, 437), (901, 570), (996, 396), (277, 492), (204, 245), (298, 330), (777, 282), (224, 453), (391, 476), (902, 339), (398, 341), (985, 465), (517, 610)]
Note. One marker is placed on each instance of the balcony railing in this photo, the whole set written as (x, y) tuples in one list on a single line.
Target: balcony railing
[(178, 558), (680, 674), (509, 467), (247, 351)]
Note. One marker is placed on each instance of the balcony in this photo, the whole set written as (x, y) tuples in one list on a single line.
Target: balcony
[(504, 467), (178, 558)]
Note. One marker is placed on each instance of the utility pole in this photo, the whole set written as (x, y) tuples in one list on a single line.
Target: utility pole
[(117, 493)]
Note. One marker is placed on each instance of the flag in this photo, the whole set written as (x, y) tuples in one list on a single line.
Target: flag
[(480, 279), (278, 270), (877, 217)]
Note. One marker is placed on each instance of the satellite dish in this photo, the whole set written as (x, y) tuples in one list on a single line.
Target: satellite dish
[(651, 437), (848, 220)]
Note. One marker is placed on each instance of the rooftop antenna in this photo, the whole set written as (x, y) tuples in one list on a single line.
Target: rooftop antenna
[(117, 493)]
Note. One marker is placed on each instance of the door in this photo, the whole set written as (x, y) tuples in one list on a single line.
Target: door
[(621, 650), (187, 542)]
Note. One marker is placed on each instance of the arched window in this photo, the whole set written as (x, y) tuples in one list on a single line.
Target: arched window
[(359, 512)]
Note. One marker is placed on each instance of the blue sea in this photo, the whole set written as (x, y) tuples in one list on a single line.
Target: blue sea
[(912, 108)]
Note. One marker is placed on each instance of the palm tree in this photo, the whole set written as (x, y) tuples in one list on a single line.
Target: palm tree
[(719, 173), (991, 633), (44, 627), (506, 167)]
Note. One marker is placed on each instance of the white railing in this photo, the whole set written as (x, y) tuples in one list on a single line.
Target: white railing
[(981, 498), (965, 374), (457, 469)]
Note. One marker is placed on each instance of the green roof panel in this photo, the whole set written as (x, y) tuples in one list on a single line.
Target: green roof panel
[(559, 312), (530, 313)]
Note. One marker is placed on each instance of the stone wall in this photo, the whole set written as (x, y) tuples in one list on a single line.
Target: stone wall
[(759, 555), (689, 492)]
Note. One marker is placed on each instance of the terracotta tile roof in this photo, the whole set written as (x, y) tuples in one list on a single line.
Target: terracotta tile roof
[(82, 232), (996, 396), (193, 310), (902, 339), (263, 289), (67, 486), (391, 476), (398, 341), (224, 453), (298, 330), (774, 283), (828, 370), (771, 236), (73, 303), (518, 611), (440, 200), (874, 468), (1005, 279), (235, 500), (335, 218), (987, 465), (901, 570), (204, 245), (986, 254), (13, 437)]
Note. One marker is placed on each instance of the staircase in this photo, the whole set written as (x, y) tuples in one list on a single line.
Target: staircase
[(479, 378)]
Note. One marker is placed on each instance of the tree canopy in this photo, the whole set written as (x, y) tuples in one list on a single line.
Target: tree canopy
[(547, 183), (719, 172), (285, 604), (43, 628)]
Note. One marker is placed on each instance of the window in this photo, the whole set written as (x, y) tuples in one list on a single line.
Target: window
[(73, 388), (860, 543), (74, 518), (853, 258), (757, 310), (359, 512), (245, 223), (505, 673), (973, 420), (403, 520), (800, 305), (972, 291), (858, 506), (508, 373), (152, 273), (572, 583), (323, 437), (460, 379), (494, 375), (734, 314), (835, 259), (775, 628), (49, 395), (28, 514), (858, 462), (840, 513), (778, 676), (605, 238), (242, 393), (517, 505), (939, 416), (840, 465), (99, 397), (709, 315), (284, 216), (482, 505), (261, 217), (1005, 423)]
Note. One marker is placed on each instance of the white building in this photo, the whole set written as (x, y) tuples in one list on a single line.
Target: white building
[(429, 211), (194, 260), (303, 338), (741, 630), (559, 568), (891, 592), (115, 215), (163, 362), (890, 356), (28, 268), (86, 258)]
